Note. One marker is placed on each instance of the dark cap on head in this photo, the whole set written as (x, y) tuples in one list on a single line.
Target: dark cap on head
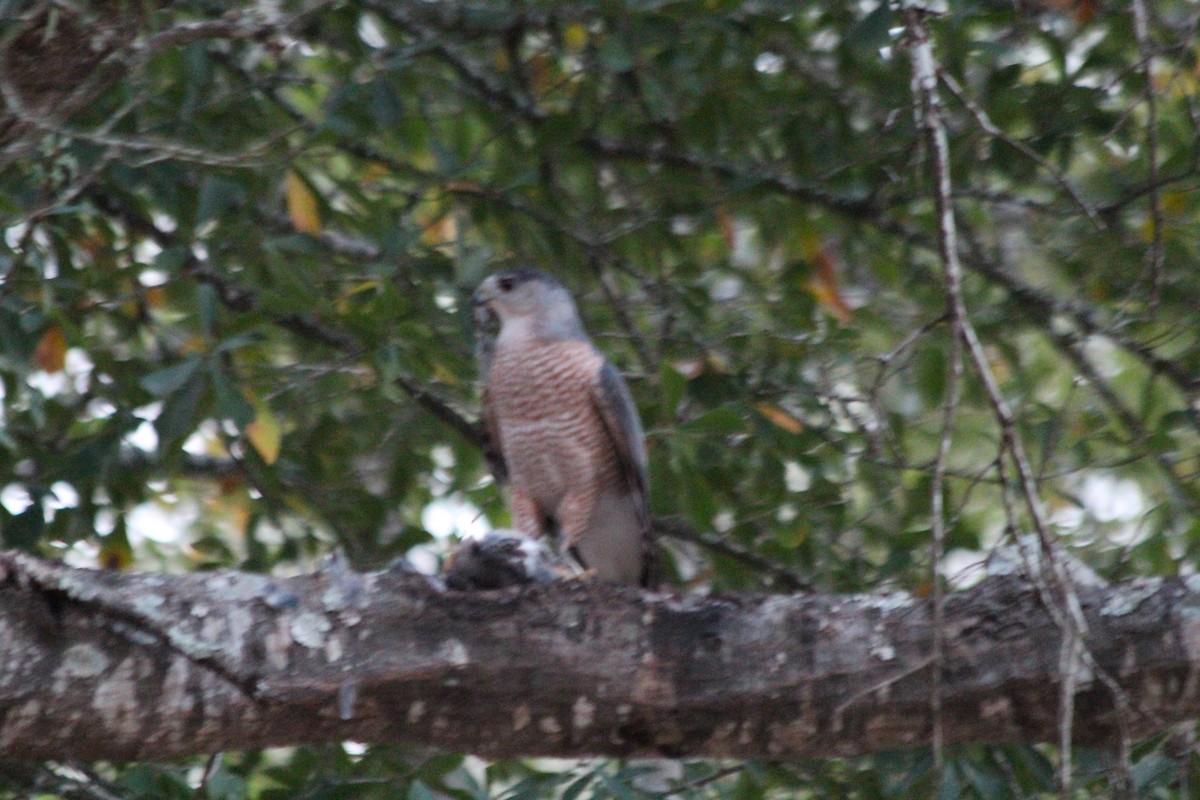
[(525, 275)]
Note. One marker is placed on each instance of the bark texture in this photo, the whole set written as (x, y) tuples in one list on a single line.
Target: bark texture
[(107, 665)]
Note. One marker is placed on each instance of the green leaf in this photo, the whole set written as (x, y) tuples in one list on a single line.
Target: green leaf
[(420, 791), (1153, 770), (614, 54), (207, 304), (872, 31), (720, 422), (231, 402), (178, 416), (23, 531), (170, 379), (576, 787)]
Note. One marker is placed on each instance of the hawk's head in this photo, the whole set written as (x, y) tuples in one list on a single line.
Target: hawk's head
[(528, 299)]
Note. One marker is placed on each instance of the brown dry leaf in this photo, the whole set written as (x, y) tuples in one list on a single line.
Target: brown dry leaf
[(301, 205), (464, 186), (156, 297), (228, 484), (824, 286), (780, 418), (541, 74), (51, 352), (725, 223), (374, 171)]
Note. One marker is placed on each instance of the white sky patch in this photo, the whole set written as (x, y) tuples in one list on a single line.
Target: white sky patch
[(150, 411), (83, 553), (769, 63), (726, 288), (423, 560), (453, 515), (144, 438), (15, 499), (63, 495), (158, 524), (202, 440), (963, 568), (152, 277), (14, 233), (723, 521), (145, 252), (1102, 353), (746, 250), (682, 225), (443, 456), (164, 222), (106, 521), (1081, 46), (49, 384), (78, 364), (796, 477), (370, 32), (1112, 499)]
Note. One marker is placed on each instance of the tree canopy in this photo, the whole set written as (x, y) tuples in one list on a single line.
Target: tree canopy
[(892, 285)]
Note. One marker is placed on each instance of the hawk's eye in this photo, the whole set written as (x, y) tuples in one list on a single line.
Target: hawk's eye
[(506, 284)]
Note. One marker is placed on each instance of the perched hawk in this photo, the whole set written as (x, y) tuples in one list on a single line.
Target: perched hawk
[(566, 429)]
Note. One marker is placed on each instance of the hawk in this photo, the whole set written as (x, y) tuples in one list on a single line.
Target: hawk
[(565, 428)]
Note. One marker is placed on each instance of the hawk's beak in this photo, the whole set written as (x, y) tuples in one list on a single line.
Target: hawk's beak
[(483, 295)]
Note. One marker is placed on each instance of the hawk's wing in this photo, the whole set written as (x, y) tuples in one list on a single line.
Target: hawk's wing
[(611, 399)]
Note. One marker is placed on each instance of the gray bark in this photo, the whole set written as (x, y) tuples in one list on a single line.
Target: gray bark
[(108, 665)]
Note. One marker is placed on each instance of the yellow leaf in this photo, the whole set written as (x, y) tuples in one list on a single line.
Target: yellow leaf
[(343, 300), (445, 375), (717, 362), (193, 344), (1174, 203), (264, 432), (374, 171), (115, 552), (780, 418), (442, 230), (301, 205), (51, 352), (575, 36)]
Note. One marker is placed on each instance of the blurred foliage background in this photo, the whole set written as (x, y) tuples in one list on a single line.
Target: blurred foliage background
[(234, 329)]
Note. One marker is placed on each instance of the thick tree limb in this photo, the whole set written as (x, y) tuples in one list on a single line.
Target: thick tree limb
[(106, 665)]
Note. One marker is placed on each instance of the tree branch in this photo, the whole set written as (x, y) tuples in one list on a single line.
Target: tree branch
[(566, 669)]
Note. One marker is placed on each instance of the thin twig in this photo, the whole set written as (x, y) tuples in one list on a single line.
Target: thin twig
[(925, 82), (784, 577), (1141, 30), (992, 129)]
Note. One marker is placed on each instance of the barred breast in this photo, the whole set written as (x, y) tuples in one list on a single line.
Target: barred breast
[(551, 435)]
